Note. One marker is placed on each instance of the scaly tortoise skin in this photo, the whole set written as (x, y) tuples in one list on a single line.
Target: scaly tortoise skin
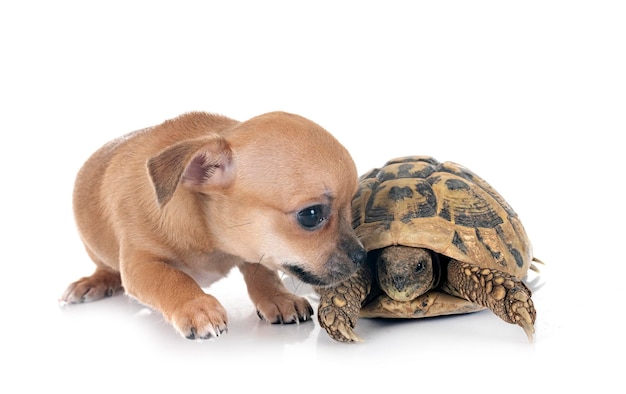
[(440, 241)]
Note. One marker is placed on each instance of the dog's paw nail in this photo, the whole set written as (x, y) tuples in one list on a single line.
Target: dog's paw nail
[(214, 332), (193, 334), (109, 292)]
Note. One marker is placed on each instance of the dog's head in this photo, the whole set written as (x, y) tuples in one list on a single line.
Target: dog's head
[(276, 190)]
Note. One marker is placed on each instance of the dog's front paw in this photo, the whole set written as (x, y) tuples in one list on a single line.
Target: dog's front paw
[(284, 309), (201, 318)]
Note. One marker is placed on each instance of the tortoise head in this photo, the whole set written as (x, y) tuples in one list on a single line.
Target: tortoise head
[(405, 273)]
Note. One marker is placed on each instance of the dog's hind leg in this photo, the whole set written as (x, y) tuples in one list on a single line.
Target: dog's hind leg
[(104, 282)]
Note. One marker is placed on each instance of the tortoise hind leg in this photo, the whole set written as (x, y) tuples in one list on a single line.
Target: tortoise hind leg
[(507, 296)]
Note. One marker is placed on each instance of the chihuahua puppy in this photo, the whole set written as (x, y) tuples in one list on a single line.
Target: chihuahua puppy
[(165, 211)]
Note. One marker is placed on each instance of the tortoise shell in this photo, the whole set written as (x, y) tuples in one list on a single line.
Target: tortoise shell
[(417, 201)]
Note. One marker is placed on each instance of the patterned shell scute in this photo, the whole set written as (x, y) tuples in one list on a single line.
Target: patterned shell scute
[(417, 201)]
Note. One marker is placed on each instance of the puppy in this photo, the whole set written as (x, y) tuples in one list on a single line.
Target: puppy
[(167, 210)]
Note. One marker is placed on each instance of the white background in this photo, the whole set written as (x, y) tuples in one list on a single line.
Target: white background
[(529, 95)]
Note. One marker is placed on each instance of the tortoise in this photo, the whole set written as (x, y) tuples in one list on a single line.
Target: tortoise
[(440, 241)]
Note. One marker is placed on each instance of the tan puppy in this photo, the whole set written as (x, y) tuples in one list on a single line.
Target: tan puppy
[(167, 210)]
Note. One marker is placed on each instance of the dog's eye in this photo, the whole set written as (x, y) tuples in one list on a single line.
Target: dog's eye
[(312, 216)]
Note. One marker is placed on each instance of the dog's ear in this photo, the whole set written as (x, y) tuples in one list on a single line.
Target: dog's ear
[(201, 165)]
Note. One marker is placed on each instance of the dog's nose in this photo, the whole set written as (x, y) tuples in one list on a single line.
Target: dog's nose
[(358, 256)]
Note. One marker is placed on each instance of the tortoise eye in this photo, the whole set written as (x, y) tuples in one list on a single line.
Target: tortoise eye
[(419, 267), (311, 217)]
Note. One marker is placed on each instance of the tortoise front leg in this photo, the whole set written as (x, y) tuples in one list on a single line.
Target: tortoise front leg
[(507, 296), (340, 305)]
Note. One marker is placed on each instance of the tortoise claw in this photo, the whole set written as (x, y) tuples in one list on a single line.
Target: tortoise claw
[(348, 334), (526, 322), (522, 311), (337, 324)]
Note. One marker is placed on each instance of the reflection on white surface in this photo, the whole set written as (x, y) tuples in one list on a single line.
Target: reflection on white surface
[(134, 337), (123, 340)]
